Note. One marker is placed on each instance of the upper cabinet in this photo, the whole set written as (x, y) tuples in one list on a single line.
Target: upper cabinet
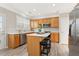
[(55, 22), (40, 21), (34, 24), (46, 21)]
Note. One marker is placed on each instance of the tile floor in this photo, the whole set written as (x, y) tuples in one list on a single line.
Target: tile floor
[(56, 50)]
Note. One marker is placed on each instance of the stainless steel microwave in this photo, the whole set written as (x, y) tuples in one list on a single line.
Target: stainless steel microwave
[(45, 25)]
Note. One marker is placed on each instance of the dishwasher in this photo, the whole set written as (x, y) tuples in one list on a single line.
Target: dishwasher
[(22, 39)]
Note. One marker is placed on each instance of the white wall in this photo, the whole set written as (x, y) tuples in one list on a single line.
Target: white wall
[(64, 28), (10, 19)]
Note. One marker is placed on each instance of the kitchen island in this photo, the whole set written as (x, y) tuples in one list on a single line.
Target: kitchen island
[(33, 43)]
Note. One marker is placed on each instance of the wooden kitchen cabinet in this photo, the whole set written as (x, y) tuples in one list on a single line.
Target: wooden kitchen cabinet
[(30, 45), (46, 21), (43, 21), (55, 22), (55, 37), (33, 45), (40, 21), (13, 40), (17, 40), (34, 24)]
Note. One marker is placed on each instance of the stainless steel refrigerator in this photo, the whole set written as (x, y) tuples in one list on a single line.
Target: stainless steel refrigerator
[(74, 26)]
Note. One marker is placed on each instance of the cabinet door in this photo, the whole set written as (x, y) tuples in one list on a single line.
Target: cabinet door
[(36, 46), (34, 24), (46, 21), (11, 40), (17, 40), (55, 22), (30, 45), (33, 45), (40, 21), (55, 37)]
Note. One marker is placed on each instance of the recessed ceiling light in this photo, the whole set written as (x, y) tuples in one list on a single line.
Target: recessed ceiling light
[(34, 9), (53, 5)]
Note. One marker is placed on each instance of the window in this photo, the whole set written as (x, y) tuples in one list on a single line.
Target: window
[(22, 23)]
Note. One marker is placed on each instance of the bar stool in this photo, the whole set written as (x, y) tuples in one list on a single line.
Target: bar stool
[(45, 47)]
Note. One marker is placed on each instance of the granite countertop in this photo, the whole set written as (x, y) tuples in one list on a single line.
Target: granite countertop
[(39, 35)]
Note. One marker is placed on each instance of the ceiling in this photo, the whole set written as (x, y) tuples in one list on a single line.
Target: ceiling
[(39, 9), (75, 12)]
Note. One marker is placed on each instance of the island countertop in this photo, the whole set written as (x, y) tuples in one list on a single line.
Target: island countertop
[(39, 35)]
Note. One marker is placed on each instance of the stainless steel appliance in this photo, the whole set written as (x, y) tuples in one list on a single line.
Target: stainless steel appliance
[(74, 26), (46, 25), (22, 39)]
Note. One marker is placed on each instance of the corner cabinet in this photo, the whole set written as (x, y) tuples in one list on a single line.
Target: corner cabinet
[(55, 22), (55, 37)]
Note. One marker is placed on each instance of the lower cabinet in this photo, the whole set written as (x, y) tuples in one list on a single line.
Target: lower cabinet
[(13, 40), (55, 22), (38, 46), (55, 37), (33, 45), (17, 40)]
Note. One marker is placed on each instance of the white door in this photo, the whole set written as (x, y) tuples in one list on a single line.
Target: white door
[(2, 32)]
